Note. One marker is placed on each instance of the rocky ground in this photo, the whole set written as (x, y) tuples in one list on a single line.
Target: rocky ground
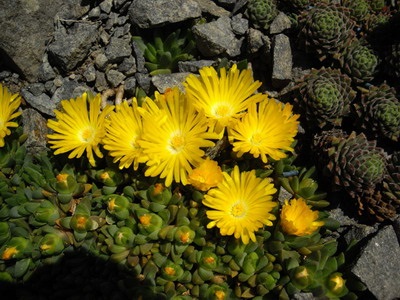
[(55, 49)]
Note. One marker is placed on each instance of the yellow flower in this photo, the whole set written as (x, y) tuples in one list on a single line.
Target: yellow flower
[(123, 131), (224, 97), (173, 135), (8, 105), (79, 128), (297, 218), (206, 176), (241, 204), (266, 130)]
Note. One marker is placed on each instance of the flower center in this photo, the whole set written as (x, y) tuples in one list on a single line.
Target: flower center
[(222, 110), (169, 271), (87, 135), (177, 143), (145, 220), (256, 139), (238, 210)]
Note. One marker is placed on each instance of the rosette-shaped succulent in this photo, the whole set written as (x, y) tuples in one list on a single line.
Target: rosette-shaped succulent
[(324, 97), (356, 164), (261, 12), (375, 207), (391, 181), (376, 5), (360, 62), (326, 29), (359, 9), (379, 112)]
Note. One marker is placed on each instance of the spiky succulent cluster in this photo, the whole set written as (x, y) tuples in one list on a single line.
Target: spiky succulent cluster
[(261, 12), (324, 97), (359, 9), (360, 62), (379, 112), (354, 163), (164, 52), (325, 29)]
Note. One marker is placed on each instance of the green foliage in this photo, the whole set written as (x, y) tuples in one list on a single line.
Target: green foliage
[(261, 12), (163, 53)]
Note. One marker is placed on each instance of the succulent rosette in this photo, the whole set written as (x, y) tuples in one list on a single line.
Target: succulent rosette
[(354, 163), (360, 62), (379, 112), (261, 12), (325, 29), (324, 97)]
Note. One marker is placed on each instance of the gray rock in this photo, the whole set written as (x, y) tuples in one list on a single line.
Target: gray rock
[(106, 6), (101, 82), (281, 61), (144, 81), (35, 127), (90, 73), (114, 78), (41, 102), (209, 7), (130, 86), (257, 40), (101, 61), (239, 24), (71, 47), (280, 23), (194, 66), (35, 88), (216, 38), (303, 296), (69, 89), (118, 49), (140, 60), (153, 13), (94, 12), (379, 264), (164, 81), (46, 71), (128, 66), (24, 41)]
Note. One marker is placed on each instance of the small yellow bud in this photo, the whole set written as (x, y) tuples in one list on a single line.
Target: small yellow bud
[(169, 271), (9, 253), (145, 219)]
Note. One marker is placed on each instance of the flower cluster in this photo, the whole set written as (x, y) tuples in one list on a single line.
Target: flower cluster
[(170, 133)]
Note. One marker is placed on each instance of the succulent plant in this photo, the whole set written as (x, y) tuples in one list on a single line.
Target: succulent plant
[(324, 97), (375, 207), (354, 163), (305, 187), (325, 29), (376, 5), (360, 62), (391, 181), (163, 53), (379, 112), (261, 12), (359, 9)]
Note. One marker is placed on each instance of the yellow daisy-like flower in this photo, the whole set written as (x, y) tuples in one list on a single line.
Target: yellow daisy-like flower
[(206, 176), (241, 204), (297, 218), (79, 127), (223, 98), (268, 129), (173, 135), (123, 132), (8, 110)]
